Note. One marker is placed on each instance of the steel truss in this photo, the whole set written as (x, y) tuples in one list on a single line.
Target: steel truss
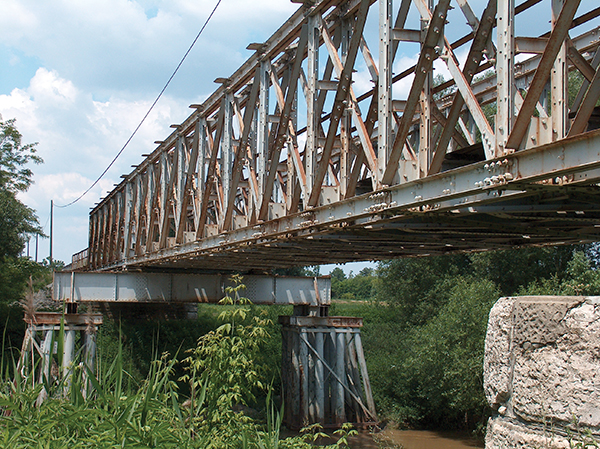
[(291, 162)]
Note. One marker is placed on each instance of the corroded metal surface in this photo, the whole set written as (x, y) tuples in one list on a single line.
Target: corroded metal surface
[(68, 319), (321, 321), (324, 372), (295, 160)]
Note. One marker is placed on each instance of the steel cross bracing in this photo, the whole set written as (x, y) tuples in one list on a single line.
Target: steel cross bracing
[(297, 160)]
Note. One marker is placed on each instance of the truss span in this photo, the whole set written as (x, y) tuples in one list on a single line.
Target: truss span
[(313, 152)]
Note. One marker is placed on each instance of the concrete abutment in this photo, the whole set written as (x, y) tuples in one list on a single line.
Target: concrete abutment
[(542, 372)]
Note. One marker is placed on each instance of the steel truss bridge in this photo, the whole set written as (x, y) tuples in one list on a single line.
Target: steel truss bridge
[(311, 152)]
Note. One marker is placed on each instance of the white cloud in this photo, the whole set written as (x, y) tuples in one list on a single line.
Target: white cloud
[(47, 87), (105, 45), (70, 126), (63, 188), (15, 20), (78, 137), (97, 67), (402, 87)]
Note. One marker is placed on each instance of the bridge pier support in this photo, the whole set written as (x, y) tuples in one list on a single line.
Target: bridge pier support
[(324, 374), (325, 377), (39, 362)]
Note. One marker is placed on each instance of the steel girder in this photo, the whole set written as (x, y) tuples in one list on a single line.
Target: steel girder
[(291, 161), (168, 288)]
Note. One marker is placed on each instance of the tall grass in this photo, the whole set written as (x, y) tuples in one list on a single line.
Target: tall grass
[(147, 416)]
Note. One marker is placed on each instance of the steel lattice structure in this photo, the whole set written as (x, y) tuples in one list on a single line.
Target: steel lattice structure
[(291, 161)]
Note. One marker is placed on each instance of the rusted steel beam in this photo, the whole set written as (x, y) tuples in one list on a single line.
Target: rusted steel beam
[(282, 127), (580, 123), (517, 176), (341, 95), (424, 64), (211, 172), (194, 183), (482, 36), (580, 62), (239, 156), (555, 41), (361, 128), (187, 188)]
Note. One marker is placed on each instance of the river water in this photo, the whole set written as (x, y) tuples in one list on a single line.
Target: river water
[(415, 439)]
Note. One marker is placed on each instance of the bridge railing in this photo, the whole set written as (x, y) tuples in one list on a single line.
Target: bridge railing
[(80, 261), (313, 118)]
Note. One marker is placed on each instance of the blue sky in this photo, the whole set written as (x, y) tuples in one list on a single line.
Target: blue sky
[(79, 75)]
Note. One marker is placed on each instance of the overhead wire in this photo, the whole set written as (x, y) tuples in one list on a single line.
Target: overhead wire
[(46, 224), (147, 113)]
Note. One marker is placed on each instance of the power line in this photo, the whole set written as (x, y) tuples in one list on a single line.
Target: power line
[(46, 224), (147, 113)]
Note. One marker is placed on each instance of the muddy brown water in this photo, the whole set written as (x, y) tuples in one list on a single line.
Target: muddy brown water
[(415, 439)]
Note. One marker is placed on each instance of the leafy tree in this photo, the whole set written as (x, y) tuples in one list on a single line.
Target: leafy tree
[(580, 277), (16, 219), (417, 286), (17, 222), (448, 351), (337, 280), (359, 287), (514, 269), (337, 274), (425, 339), (430, 374), (222, 367), (15, 175), (366, 271)]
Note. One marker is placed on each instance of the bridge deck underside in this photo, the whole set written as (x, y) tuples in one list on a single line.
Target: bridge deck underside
[(313, 152), (499, 225), (552, 202)]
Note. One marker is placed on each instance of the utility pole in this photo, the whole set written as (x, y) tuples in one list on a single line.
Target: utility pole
[(51, 225)]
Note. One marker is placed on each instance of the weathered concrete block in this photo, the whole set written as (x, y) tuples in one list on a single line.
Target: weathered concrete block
[(541, 369), (505, 434), (496, 363)]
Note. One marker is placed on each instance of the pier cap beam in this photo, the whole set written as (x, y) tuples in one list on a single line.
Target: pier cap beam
[(141, 287)]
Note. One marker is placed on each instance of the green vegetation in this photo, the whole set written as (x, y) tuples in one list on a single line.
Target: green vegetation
[(352, 287), (424, 327), (222, 375), (425, 324), (17, 223)]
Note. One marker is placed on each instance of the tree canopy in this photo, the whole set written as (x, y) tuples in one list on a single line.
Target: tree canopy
[(15, 174), (17, 221)]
